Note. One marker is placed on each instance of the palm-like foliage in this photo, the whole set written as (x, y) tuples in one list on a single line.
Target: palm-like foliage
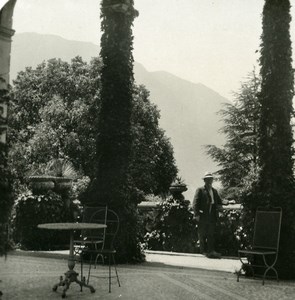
[(61, 168)]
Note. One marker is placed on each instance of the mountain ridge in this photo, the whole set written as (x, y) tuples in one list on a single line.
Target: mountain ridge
[(187, 109)]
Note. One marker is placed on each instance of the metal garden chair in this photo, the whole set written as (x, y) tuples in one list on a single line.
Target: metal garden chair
[(91, 237), (106, 250), (265, 244)]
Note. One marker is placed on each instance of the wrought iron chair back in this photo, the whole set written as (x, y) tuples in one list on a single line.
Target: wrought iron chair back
[(267, 229), (92, 238), (266, 239), (94, 215), (110, 233)]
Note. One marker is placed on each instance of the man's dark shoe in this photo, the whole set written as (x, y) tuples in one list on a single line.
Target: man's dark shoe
[(213, 254)]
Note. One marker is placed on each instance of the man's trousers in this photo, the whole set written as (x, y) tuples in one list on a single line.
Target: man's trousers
[(206, 232)]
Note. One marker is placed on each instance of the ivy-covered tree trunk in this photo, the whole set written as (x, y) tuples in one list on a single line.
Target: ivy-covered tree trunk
[(276, 182), (277, 91), (114, 142)]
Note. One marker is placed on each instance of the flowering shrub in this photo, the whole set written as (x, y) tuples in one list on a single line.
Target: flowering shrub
[(174, 228), (231, 234), (79, 186), (152, 198), (31, 210)]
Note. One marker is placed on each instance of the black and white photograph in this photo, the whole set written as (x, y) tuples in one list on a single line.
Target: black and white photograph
[(147, 149)]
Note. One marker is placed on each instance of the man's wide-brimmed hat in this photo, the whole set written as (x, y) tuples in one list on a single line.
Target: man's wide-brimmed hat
[(208, 175)]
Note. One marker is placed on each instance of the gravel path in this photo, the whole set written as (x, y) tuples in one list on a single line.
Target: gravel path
[(31, 277)]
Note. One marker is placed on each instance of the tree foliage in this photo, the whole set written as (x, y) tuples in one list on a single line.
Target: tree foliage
[(238, 158), (52, 115), (63, 126), (152, 166)]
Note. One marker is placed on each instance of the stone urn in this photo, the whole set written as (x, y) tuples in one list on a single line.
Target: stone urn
[(176, 190), (41, 183), (62, 183)]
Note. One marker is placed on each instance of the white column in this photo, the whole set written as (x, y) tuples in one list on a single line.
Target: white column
[(6, 32)]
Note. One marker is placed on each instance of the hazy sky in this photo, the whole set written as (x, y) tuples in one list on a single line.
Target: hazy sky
[(207, 41)]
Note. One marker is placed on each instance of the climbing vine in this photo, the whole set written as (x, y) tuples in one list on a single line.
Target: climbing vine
[(275, 186), (112, 184)]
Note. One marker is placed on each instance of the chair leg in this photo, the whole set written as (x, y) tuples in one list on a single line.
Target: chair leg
[(96, 259), (81, 263), (89, 269), (240, 271), (238, 274), (116, 269), (270, 267), (243, 265), (110, 276)]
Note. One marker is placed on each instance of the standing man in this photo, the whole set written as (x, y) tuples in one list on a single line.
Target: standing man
[(205, 205)]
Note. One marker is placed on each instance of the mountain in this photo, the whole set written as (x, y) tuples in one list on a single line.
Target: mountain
[(188, 110), (30, 49)]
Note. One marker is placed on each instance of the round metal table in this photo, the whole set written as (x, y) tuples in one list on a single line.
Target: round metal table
[(71, 275)]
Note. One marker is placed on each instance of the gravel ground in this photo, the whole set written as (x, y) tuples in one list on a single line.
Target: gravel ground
[(31, 277)]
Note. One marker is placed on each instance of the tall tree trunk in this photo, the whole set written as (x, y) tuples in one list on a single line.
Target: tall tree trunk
[(276, 183), (276, 138), (114, 143)]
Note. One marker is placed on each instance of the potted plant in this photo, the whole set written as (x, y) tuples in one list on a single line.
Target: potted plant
[(63, 173), (57, 175)]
